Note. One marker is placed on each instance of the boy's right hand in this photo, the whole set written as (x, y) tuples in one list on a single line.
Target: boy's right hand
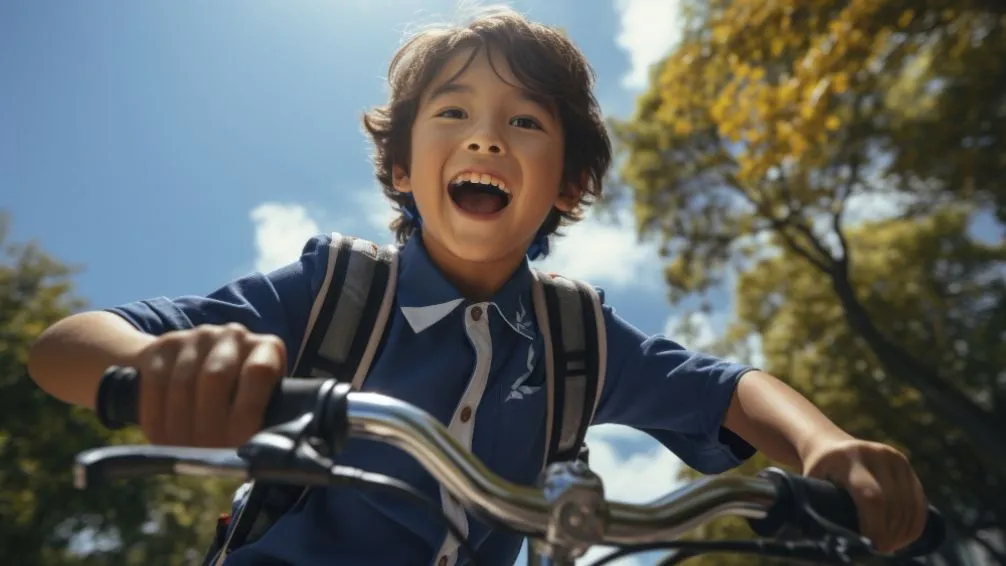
[(208, 386)]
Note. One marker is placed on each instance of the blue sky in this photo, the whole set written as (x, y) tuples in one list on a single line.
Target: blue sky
[(168, 147), (140, 137)]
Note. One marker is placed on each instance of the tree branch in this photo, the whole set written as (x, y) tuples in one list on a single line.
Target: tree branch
[(836, 224), (793, 245), (798, 222), (780, 225), (844, 191)]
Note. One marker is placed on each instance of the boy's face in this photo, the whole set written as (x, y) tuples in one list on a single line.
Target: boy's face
[(486, 163)]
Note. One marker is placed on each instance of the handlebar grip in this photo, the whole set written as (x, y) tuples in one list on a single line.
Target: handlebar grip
[(833, 504), (117, 402)]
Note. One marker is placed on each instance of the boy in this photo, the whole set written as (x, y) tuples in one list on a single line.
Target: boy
[(491, 139)]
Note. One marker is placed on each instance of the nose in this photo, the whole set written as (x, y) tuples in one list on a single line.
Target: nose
[(477, 148), (484, 140)]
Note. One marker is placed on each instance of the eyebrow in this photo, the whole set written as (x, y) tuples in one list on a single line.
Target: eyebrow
[(452, 87)]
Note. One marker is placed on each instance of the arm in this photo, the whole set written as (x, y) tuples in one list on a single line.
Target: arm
[(778, 421), (677, 396), (713, 414), (789, 429), (69, 358)]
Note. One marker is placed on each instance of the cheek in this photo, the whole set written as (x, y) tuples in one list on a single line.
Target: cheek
[(544, 162), (429, 150)]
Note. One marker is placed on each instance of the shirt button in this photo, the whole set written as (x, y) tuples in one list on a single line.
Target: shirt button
[(477, 314), (442, 561), (466, 414)]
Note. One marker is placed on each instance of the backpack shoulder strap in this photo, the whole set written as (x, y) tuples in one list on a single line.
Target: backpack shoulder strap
[(344, 330), (569, 313), (350, 311)]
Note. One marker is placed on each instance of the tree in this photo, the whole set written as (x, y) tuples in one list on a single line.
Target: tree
[(778, 120), (951, 128), (43, 519), (942, 298)]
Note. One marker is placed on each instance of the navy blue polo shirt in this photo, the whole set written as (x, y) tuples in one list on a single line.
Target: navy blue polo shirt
[(446, 354)]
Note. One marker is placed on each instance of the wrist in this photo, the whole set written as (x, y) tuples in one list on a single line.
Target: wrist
[(817, 441)]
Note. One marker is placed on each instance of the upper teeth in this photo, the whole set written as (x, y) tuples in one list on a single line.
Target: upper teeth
[(483, 178)]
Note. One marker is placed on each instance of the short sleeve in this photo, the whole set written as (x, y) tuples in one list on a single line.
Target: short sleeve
[(277, 303), (677, 396)]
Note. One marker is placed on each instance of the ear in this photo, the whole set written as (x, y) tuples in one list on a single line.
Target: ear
[(400, 179), (570, 195)]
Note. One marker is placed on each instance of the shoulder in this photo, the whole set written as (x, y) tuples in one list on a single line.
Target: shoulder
[(551, 276), (275, 301), (312, 265)]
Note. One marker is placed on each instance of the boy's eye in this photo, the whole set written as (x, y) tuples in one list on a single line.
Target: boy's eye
[(452, 113), (525, 122)]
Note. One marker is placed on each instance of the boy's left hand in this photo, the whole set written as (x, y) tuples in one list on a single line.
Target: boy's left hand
[(888, 495)]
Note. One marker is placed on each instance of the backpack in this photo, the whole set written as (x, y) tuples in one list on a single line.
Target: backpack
[(345, 332)]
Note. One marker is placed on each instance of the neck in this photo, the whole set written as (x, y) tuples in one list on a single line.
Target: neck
[(475, 280)]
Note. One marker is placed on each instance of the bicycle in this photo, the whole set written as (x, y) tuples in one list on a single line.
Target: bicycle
[(309, 420)]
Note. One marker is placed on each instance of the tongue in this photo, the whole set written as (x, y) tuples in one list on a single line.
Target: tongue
[(478, 201)]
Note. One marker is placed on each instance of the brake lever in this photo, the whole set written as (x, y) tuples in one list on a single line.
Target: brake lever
[(288, 453), (121, 462)]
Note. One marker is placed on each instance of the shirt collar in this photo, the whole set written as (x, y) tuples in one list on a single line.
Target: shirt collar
[(426, 297)]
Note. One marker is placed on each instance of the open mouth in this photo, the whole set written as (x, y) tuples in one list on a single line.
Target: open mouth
[(478, 198)]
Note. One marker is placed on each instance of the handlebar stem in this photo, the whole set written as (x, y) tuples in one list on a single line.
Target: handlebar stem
[(579, 512)]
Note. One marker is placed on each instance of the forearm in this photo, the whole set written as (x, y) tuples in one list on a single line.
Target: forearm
[(777, 420), (69, 358)]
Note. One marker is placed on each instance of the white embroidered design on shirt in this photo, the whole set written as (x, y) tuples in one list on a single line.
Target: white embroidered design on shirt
[(518, 390)]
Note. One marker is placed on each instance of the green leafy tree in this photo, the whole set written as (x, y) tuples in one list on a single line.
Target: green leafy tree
[(775, 120), (935, 290), (44, 520)]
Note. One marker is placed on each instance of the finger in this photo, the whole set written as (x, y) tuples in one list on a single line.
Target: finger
[(182, 391), (901, 505), (893, 474), (259, 373), (869, 499), (920, 504), (155, 367), (218, 378)]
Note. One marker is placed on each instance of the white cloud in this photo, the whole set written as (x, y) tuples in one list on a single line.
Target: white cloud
[(281, 230), (697, 329), (648, 30), (605, 253), (376, 213), (643, 475)]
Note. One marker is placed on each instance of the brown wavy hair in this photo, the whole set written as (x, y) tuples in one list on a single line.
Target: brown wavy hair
[(545, 62)]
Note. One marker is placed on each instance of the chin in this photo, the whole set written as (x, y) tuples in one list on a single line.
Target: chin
[(474, 251)]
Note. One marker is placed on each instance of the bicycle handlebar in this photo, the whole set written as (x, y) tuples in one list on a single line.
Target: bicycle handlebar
[(331, 412)]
